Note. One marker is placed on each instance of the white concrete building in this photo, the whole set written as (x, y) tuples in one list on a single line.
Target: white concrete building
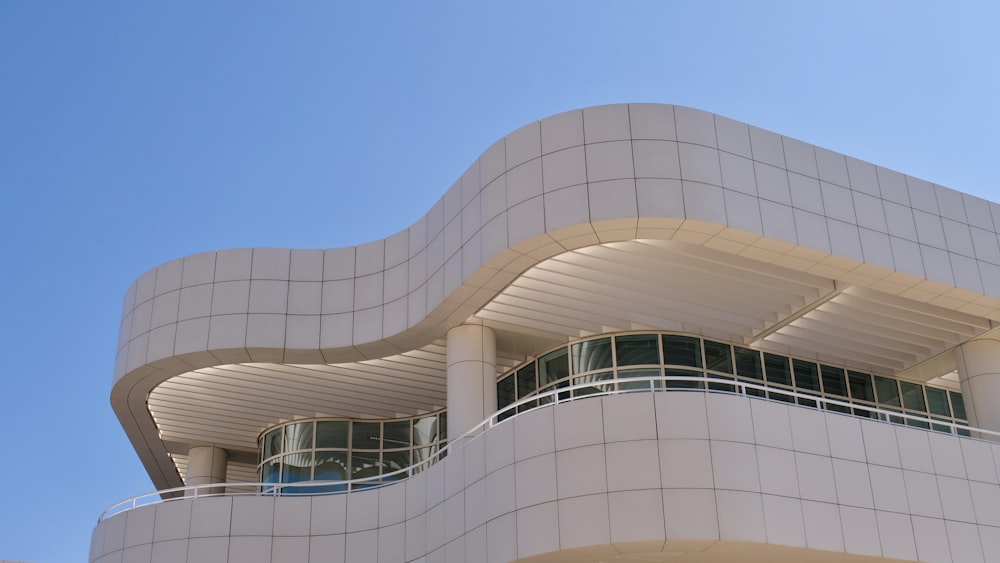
[(720, 344)]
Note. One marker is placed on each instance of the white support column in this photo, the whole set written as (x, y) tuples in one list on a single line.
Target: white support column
[(472, 373), (206, 465), (979, 374)]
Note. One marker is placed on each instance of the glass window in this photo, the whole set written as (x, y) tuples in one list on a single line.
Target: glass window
[(364, 464), (272, 443), (553, 366), (299, 436), (777, 369), (366, 435), (685, 384), (591, 355), (637, 349), (396, 434), (594, 378), (296, 467), (913, 396), (526, 383), (833, 381), (332, 434), (395, 461), (269, 472), (957, 405), (681, 350), (625, 374), (887, 391), (718, 357), (505, 392), (425, 431), (806, 375), (748, 363), (331, 466), (861, 386), (937, 401)]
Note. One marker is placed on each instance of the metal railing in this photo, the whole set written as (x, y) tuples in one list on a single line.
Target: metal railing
[(509, 412)]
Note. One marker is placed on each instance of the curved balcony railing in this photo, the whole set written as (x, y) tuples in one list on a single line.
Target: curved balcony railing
[(555, 396)]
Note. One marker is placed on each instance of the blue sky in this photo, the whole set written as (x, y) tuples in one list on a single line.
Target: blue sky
[(132, 133)]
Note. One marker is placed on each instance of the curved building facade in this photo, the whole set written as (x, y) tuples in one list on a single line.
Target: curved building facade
[(709, 341)]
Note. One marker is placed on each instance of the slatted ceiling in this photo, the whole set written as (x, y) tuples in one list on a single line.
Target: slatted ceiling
[(856, 338), (589, 297), (659, 285), (681, 291), (799, 346), (867, 329), (914, 315), (694, 275), (736, 267)]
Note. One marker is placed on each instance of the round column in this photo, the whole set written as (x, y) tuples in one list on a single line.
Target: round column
[(979, 374), (472, 377), (206, 465)]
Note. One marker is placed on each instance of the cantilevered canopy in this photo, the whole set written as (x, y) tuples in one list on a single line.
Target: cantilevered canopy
[(627, 217)]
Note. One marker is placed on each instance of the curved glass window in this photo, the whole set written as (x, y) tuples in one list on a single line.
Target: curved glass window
[(340, 449), (605, 363)]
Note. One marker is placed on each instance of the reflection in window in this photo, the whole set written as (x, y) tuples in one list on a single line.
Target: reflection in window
[(625, 374), (553, 366), (366, 435), (886, 390), (748, 363), (591, 355), (718, 357), (777, 369), (937, 401), (681, 351), (298, 436), (861, 386), (331, 434), (637, 349), (833, 381), (594, 378), (913, 395)]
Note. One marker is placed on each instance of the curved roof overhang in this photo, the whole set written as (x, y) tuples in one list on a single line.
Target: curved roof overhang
[(624, 217)]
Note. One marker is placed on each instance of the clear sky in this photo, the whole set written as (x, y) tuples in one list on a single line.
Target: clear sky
[(132, 133)]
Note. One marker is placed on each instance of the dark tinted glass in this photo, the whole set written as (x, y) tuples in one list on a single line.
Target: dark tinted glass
[(332, 434), (833, 381), (396, 434), (685, 384), (887, 391), (636, 349), (806, 375), (366, 435), (718, 357), (425, 430), (913, 395), (937, 401), (681, 351), (748, 363), (957, 405), (861, 386), (625, 374), (777, 369), (505, 392), (526, 382)]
